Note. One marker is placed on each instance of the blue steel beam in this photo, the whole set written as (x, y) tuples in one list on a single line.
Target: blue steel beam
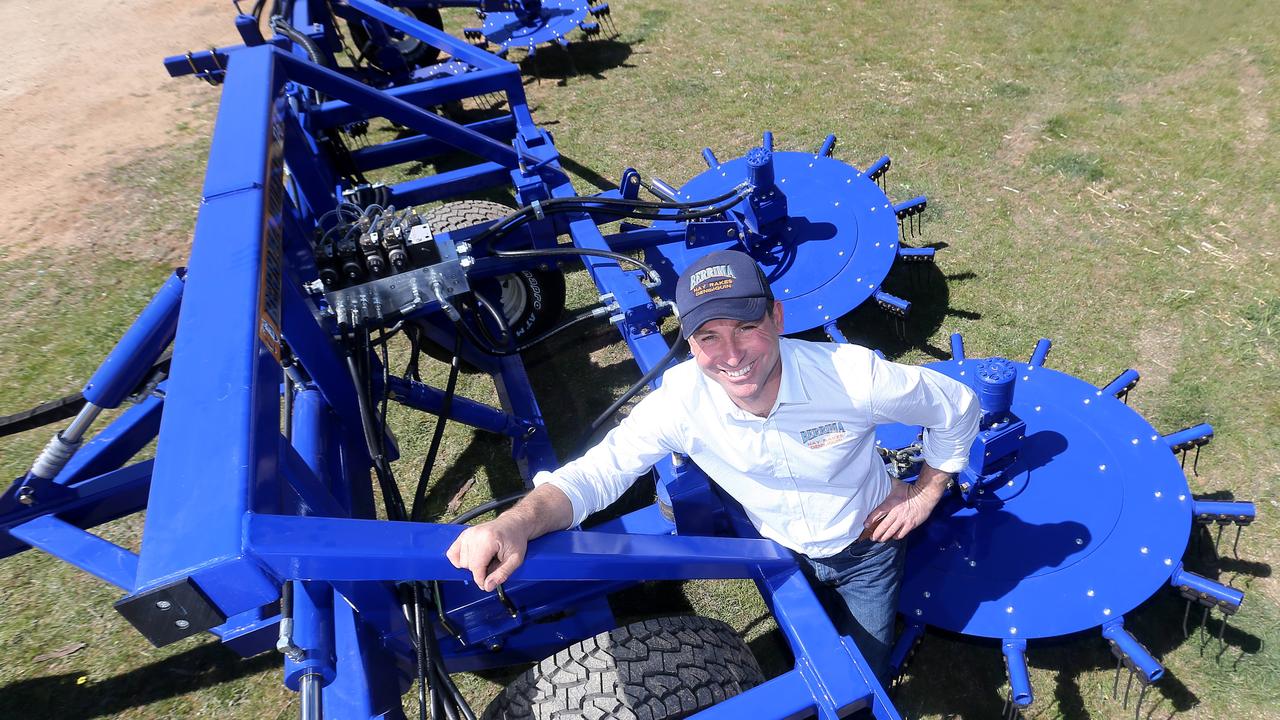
[(410, 149), (456, 48), (332, 113), (383, 104), (449, 184), (307, 548), (88, 503), (100, 558), (224, 378)]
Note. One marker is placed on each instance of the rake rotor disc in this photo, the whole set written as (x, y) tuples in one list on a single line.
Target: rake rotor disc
[(1093, 520), (552, 24), (840, 242)]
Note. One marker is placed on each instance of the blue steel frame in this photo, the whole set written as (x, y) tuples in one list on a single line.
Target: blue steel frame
[(226, 531)]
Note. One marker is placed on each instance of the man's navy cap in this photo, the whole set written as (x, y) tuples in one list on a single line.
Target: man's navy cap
[(723, 285)]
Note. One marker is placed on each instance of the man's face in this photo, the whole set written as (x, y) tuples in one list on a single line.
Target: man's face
[(743, 358)]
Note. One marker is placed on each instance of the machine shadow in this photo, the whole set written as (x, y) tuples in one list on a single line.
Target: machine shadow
[(62, 695), (927, 287), (589, 57)]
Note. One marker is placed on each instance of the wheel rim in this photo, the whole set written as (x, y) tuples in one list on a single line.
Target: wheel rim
[(406, 44), (514, 297)]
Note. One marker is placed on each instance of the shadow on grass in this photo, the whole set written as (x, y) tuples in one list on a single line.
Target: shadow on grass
[(927, 288), (62, 696), (584, 58)]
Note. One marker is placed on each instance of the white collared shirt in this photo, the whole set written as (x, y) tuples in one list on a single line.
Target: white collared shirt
[(808, 474)]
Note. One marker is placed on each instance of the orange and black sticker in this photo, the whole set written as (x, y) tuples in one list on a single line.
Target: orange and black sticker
[(272, 259)]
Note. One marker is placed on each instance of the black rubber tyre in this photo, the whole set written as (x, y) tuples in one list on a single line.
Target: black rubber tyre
[(414, 52), (661, 669), (532, 300)]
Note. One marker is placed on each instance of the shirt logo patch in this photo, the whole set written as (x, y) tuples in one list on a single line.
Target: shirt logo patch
[(823, 435), (721, 274)]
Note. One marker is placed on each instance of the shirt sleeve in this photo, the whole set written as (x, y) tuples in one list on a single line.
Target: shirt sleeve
[(946, 408), (603, 473)]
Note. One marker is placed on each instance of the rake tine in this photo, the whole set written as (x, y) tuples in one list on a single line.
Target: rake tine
[(1204, 618), (1217, 539), (1137, 710), (1235, 546), (1186, 613), (1115, 684), (1127, 686), (1195, 464)]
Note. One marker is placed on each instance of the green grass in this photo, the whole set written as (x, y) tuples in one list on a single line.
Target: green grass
[(1100, 174)]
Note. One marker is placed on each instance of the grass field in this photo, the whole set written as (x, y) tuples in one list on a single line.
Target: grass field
[(1100, 174)]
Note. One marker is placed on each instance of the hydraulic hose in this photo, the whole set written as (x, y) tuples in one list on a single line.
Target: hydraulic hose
[(420, 494), (490, 506), (390, 493), (676, 349)]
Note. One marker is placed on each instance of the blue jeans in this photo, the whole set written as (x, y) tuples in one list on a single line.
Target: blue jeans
[(860, 584)]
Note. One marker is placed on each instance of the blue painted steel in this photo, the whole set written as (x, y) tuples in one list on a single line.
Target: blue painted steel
[(270, 510), (1123, 383), (423, 397), (86, 504), (116, 443), (553, 21), (223, 374), (313, 633), (831, 254), (1015, 662), (1093, 483), (994, 384), (425, 147), (1240, 513), (138, 349), (341, 549), (1228, 598), (1187, 438), (101, 558), (1139, 657), (1040, 352)]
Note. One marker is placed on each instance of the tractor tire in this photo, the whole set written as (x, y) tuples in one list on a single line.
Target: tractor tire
[(661, 669), (531, 300), (414, 52)]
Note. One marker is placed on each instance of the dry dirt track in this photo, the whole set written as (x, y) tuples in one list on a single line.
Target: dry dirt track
[(83, 88)]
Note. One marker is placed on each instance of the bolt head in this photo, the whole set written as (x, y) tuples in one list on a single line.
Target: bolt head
[(182, 624), (163, 604)]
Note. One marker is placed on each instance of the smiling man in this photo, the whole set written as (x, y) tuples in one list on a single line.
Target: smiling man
[(786, 427)]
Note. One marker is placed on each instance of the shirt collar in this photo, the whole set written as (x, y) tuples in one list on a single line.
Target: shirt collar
[(791, 391)]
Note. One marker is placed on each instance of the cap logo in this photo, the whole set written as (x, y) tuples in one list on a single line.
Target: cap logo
[(723, 274)]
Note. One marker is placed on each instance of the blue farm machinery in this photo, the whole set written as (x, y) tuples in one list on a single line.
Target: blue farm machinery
[(261, 370)]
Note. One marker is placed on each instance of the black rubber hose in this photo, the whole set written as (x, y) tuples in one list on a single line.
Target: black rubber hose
[(710, 207), (427, 699), (677, 348), (282, 26), (553, 252), (494, 352), (67, 406), (390, 493), (420, 494), (483, 508)]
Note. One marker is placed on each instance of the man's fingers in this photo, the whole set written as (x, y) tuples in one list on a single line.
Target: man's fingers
[(454, 553), (888, 527), (502, 572)]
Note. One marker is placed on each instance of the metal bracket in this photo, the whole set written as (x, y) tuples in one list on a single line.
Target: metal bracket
[(171, 612)]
